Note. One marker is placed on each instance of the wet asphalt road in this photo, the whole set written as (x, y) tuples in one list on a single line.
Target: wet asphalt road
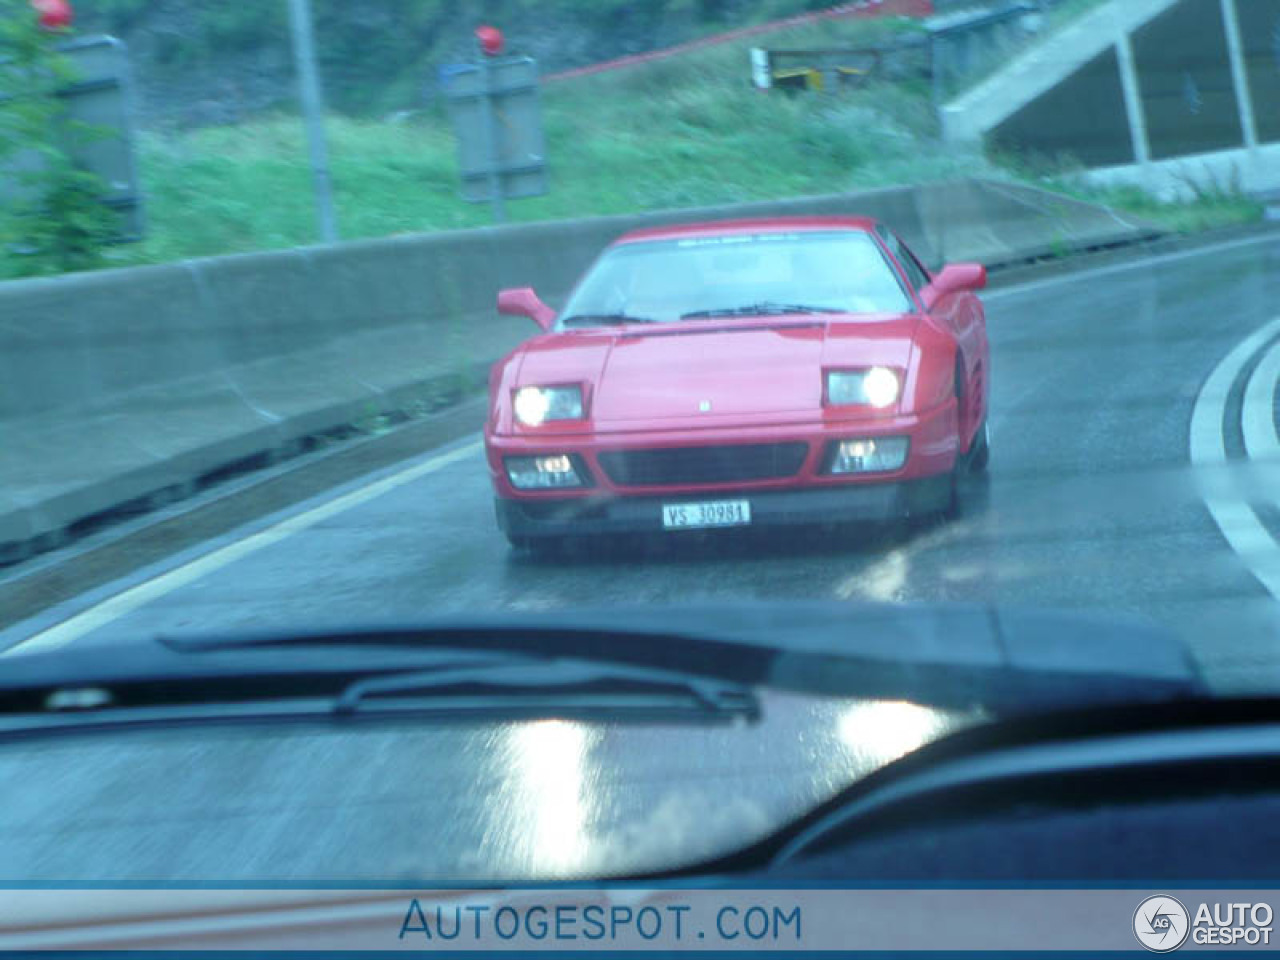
[(1091, 503)]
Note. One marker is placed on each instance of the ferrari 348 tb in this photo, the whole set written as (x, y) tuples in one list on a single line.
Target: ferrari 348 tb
[(800, 371)]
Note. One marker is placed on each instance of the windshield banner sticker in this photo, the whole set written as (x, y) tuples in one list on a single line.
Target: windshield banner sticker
[(585, 920), (728, 239)]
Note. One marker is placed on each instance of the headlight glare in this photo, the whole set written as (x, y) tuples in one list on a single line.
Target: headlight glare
[(877, 387), (537, 405), (881, 387)]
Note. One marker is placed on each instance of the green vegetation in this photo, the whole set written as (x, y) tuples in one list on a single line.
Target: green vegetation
[(51, 220), (377, 54), (1211, 209), (682, 132), (1198, 206)]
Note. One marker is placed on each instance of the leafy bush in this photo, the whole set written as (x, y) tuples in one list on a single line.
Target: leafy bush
[(53, 219)]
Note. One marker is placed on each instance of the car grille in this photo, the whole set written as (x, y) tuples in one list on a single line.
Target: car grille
[(693, 465)]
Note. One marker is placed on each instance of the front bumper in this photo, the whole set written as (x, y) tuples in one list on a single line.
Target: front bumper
[(809, 496), (812, 506)]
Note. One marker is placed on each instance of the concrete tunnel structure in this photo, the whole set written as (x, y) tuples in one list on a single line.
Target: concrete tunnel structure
[(1175, 95)]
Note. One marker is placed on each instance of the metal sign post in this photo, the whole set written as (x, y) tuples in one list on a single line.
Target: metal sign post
[(313, 110), (496, 200), (498, 122)]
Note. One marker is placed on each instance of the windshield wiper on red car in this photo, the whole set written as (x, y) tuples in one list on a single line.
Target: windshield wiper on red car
[(604, 320), (765, 308)]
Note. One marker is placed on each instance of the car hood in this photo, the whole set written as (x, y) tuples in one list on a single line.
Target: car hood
[(713, 371)]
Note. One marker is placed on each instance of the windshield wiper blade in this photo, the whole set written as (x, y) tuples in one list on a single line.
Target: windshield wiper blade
[(604, 320), (459, 671), (762, 309), (556, 684), (504, 687)]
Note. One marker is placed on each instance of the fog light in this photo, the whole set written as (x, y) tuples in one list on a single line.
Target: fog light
[(879, 455), (542, 473)]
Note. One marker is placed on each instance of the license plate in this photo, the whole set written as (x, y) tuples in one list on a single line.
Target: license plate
[(721, 513)]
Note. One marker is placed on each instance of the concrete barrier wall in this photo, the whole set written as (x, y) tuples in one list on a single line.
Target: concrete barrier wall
[(126, 385)]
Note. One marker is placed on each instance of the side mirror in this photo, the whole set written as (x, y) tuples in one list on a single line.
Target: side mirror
[(954, 278), (523, 302)]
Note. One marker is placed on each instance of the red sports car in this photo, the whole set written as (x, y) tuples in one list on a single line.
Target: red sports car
[(743, 373)]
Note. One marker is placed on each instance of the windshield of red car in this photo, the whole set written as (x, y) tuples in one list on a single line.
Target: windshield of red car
[(664, 280)]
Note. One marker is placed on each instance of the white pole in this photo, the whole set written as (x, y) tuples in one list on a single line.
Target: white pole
[(304, 56), (1133, 98), (1239, 75)]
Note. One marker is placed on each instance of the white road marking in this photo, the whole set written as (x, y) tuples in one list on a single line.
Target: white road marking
[(1233, 515), (1258, 416), (143, 593)]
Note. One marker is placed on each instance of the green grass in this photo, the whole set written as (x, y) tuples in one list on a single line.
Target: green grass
[(1208, 210), (676, 133)]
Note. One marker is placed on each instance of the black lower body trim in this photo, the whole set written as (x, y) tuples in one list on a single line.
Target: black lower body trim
[(855, 503)]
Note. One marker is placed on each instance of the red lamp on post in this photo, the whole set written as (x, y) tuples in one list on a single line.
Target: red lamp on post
[(491, 40), (54, 14)]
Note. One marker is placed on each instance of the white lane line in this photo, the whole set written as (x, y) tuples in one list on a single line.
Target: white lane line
[(137, 596), (1258, 419), (1237, 521), (1112, 269)]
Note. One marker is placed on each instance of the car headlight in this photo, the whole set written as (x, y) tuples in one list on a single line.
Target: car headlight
[(538, 405), (543, 473), (872, 455), (878, 387)]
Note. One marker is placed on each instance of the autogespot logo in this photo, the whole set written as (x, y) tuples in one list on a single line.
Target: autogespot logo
[(1161, 924)]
